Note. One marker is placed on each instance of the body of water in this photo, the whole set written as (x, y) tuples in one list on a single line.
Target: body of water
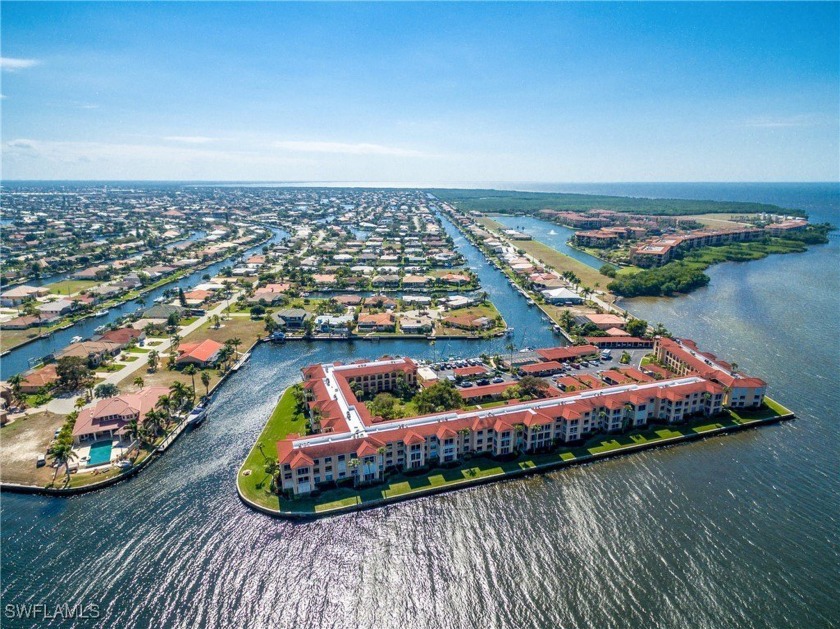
[(551, 234), (740, 531)]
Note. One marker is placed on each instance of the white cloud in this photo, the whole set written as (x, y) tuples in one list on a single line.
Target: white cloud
[(189, 139), (13, 65), (345, 148)]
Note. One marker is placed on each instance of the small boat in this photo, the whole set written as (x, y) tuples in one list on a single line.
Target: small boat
[(197, 415), (277, 337), (159, 300), (100, 313), (101, 329), (76, 339), (509, 331)]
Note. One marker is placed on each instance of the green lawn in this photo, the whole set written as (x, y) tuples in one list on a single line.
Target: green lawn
[(284, 420), (70, 287)]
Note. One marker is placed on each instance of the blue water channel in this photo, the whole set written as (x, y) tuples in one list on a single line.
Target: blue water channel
[(551, 234)]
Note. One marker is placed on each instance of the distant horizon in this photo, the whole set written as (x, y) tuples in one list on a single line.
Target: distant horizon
[(419, 185)]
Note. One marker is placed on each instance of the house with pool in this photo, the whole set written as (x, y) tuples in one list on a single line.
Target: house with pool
[(100, 435)]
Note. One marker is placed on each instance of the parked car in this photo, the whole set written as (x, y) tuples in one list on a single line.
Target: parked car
[(42, 461)]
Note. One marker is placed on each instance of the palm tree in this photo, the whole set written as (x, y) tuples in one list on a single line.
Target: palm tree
[(62, 453), (164, 406), (602, 417), (152, 423), (153, 360), (205, 380), (189, 370), (179, 392), (133, 429), (354, 464), (15, 382), (138, 382), (628, 409)]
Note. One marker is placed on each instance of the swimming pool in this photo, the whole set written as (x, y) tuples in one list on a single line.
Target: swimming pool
[(100, 452)]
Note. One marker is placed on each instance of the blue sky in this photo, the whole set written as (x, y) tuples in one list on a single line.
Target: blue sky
[(430, 93)]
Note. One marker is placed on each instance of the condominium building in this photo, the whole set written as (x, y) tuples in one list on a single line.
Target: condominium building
[(351, 443)]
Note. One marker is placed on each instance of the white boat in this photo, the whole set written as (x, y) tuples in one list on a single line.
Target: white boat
[(159, 300), (101, 329), (196, 416), (100, 313), (76, 339)]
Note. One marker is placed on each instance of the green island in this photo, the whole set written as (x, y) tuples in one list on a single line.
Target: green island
[(506, 201)]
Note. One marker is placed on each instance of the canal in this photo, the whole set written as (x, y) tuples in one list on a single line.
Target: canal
[(551, 234)]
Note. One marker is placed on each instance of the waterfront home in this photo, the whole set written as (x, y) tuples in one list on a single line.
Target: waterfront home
[(27, 321), (334, 324), (57, 308), (18, 294), (94, 352), (109, 417), (561, 296), (202, 353), (45, 377), (163, 311), (416, 324), (378, 322), (292, 318), (467, 322), (123, 336)]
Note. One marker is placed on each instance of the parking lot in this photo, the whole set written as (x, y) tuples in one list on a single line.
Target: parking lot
[(467, 373)]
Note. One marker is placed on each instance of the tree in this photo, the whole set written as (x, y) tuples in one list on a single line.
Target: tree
[(636, 327), (133, 429), (73, 372), (138, 382), (609, 270), (61, 453), (384, 405), (153, 360), (106, 389), (164, 408), (205, 380), (189, 370), (532, 386), (15, 383), (625, 358), (182, 299), (178, 394), (152, 423), (441, 396)]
